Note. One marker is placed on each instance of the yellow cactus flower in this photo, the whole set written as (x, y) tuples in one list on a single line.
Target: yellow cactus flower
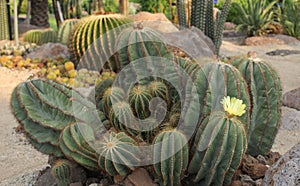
[(233, 106)]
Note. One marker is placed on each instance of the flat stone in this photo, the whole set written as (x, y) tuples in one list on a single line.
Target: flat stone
[(262, 40), (292, 99), (139, 177), (50, 50), (286, 171)]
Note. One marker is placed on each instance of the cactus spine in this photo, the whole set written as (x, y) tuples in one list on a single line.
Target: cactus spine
[(98, 32), (3, 20), (170, 156), (217, 151), (266, 97), (118, 154), (65, 30), (62, 172)]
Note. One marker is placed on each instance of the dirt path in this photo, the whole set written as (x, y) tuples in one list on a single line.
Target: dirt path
[(16, 155)]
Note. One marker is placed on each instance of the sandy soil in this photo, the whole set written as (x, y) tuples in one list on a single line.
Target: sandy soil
[(18, 158)]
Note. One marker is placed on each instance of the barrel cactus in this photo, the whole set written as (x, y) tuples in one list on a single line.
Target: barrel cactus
[(61, 170), (40, 36), (266, 98), (171, 154), (220, 143), (65, 30), (139, 42), (98, 32), (118, 154)]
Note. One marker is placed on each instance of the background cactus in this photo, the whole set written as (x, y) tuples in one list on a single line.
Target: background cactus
[(217, 151), (65, 30), (3, 20), (88, 31), (62, 172), (71, 8), (171, 154), (40, 36), (266, 98)]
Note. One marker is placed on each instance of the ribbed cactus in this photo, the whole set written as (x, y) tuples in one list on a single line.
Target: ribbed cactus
[(3, 21), (266, 98), (181, 13), (202, 17), (119, 154), (76, 142), (112, 96), (159, 89), (45, 108), (217, 151), (65, 30), (139, 100), (138, 42), (40, 36), (171, 154), (62, 172), (98, 32), (71, 8), (214, 81)]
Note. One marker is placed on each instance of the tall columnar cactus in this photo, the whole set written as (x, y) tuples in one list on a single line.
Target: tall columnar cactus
[(65, 30), (119, 154), (171, 154), (71, 8), (214, 81), (138, 42), (98, 32), (181, 12), (62, 172), (217, 151), (40, 36), (266, 98), (202, 17), (3, 21)]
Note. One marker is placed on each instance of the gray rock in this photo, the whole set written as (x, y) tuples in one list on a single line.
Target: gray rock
[(191, 41), (50, 50), (286, 171), (292, 99)]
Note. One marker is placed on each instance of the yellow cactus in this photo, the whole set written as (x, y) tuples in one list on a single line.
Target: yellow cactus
[(72, 73), (69, 66), (233, 106)]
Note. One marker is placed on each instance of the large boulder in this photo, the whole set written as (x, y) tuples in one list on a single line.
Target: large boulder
[(191, 41), (50, 50), (156, 21), (286, 171)]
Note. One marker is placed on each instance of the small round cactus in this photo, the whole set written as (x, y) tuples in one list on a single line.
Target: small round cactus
[(62, 172)]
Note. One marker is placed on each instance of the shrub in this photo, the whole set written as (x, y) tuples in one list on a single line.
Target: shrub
[(290, 17)]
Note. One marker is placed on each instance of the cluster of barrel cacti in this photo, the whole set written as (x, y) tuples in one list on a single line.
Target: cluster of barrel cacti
[(40, 36), (199, 118)]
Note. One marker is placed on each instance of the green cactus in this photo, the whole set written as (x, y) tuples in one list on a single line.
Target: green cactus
[(119, 154), (202, 17), (266, 98), (3, 20), (139, 100), (65, 30), (170, 156), (99, 92), (217, 151), (40, 36), (159, 89), (62, 172), (139, 42), (76, 143), (98, 32), (181, 12), (71, 8), (112, 95), (44, 108), (214, 81)]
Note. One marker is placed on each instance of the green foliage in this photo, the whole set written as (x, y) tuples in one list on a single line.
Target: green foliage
[(290, 17), (3, 21), (217, 151), (233, 11), (155, 6), (87, 34), (171, 154), (266, 98), (40, 36), (62, 172), (65, 30), (255, 16), (118, 154)]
